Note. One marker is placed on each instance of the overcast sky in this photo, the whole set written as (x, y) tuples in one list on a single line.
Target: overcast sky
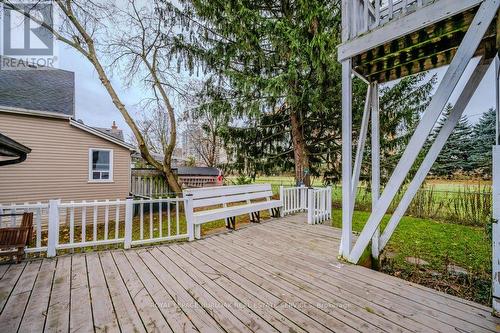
[(94, 106)]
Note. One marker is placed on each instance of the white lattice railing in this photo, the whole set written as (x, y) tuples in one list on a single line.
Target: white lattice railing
[(317, 202), (365, 15), (70, 225)]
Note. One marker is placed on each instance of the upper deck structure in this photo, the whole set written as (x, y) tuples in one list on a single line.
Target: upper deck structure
[(391, 39), (384, 40)]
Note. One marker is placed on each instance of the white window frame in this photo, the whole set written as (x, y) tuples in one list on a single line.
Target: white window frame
[(91, 180)]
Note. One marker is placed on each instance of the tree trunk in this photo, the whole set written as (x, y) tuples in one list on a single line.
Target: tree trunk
[(302, 172)]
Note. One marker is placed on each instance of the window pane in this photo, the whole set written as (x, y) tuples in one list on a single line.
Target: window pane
[(96, 175), (104, 175), (100, 160)]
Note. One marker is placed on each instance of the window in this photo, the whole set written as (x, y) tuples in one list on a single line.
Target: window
[(100, 165)]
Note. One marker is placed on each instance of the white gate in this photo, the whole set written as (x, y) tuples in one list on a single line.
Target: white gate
[(317, 202)]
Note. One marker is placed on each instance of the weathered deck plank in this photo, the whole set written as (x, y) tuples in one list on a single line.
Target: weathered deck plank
[(281, 275), (104, 315)]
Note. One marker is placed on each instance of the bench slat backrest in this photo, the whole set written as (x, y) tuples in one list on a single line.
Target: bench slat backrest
[(209, 196)]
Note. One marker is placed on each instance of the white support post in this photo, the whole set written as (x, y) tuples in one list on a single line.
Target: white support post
[(188, 207), (310, 205), (465, 52), (375, 163), (497, 93), (453, 119), (53, 230), (346, 240), (495, 268), (129, 215), (282, 198), (363, 133)]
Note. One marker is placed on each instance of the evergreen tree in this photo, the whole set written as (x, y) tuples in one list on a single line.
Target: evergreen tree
[(483, 139), (273, 66), (456, 153)]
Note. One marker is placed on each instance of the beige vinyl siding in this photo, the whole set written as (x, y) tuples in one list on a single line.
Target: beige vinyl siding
[(57, 167)]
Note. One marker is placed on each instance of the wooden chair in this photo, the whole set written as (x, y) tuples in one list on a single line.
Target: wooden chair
[(14, 239)]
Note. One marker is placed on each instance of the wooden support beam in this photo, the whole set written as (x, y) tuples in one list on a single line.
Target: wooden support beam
[(465, 52), (445, 132), (346, 242), (375, 140)]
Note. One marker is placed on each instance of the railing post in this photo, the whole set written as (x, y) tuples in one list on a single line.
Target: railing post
[(303, 203), (282, 198), (129, 216), (310, 205), (53, 232), (188, 205)]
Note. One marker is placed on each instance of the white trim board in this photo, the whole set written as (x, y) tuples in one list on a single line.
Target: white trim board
[(431, 14), (37, 113)]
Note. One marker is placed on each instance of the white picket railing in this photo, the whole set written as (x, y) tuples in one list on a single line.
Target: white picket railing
[(366, 15), (294, 199), (40, 219), (319, 205), (93, 223), (317, 202)]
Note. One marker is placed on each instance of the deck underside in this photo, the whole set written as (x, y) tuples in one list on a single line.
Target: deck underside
[(428, 48), (282, 275)]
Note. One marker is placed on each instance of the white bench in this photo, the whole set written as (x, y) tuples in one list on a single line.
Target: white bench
[(213, 198)]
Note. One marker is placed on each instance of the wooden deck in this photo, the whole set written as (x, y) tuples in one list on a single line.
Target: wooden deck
[(281, 275)]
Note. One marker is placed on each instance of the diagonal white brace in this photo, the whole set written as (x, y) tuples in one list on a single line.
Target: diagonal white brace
[(445, 132), (465, 52), (363, 133)]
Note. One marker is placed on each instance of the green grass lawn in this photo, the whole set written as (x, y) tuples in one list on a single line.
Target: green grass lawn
[(439, 244)]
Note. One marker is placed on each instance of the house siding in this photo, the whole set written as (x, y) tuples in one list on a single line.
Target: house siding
[(57, 167)]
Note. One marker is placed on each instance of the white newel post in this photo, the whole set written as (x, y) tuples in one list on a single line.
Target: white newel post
[(53, 232), (188, 206), (282, 198), (310, 205), (129, 216), (496, 230)]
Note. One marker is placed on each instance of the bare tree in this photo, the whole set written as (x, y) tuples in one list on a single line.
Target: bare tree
[(140, 44), (203, 133)]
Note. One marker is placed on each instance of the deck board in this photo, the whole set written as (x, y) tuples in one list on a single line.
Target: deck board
[(280, 275)]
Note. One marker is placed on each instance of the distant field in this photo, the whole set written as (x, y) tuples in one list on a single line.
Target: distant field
[(435, 184)]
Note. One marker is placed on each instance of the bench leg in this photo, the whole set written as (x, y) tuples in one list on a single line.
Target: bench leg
[(276, 212), (197, 231), (231, 223), (255, 217)]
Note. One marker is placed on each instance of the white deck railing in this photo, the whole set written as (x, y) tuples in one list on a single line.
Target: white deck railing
[(317, 202), (365, 15), (70, 225)]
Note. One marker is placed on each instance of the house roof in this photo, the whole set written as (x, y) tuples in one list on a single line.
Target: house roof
[(197, 171), (47, 90), (101, 134), (118, 134), (13, 150)]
